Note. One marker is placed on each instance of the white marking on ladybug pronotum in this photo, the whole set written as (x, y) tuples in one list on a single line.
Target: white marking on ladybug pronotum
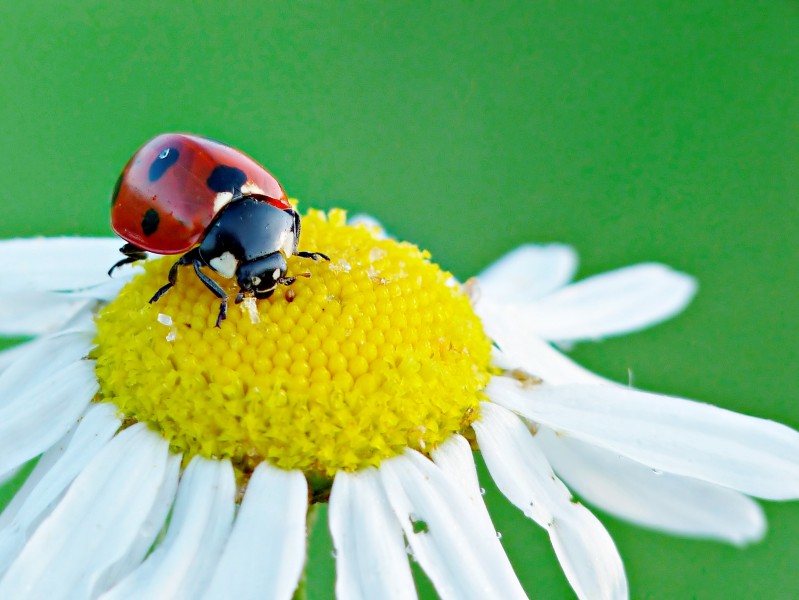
[(222, 199), (252, 189), (225, 265)]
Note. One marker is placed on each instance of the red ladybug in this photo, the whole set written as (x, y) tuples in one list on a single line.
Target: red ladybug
[(187, 194)]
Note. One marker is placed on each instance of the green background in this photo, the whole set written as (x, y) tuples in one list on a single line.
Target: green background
[(635, 131)]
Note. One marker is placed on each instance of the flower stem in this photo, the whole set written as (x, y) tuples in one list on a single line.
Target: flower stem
[(301, 593)]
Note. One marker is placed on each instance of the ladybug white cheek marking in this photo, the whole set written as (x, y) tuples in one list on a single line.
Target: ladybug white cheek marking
[(225, 265), (252, 188), (221, 200)]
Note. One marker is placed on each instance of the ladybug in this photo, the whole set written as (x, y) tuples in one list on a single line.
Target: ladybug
[(190, 195)]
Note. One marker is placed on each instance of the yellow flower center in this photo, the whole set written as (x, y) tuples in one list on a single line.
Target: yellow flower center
[(377, 351)]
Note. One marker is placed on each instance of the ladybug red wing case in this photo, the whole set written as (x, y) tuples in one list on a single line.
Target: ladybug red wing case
[(175, 185)]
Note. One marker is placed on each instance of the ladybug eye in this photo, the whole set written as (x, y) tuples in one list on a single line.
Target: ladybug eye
[(164, 154)]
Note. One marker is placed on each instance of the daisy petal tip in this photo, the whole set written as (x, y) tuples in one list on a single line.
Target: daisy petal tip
[(752, 536), (614, 303), (683, 286), (666, 278)]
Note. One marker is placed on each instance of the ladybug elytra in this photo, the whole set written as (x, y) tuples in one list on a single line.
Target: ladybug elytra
[(185, 194)]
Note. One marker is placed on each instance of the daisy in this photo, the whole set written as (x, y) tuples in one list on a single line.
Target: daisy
[(178, 459)]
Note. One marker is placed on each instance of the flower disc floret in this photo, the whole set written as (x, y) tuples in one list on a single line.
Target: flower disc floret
[(376, 351)]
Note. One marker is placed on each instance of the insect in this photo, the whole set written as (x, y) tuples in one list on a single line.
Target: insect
[(185, 194)]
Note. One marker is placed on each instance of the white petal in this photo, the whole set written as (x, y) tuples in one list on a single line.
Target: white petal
[(107, 513), (455, 458), (371, 561), (461, 561), (33, 421), (49, 281), (82, 321), (265, 553), (613, 303), (107, 290), (151, 529), (40, 359), (528, 273), (37, 313), (56, 264), (183, 563), (10, 355), (53, 473), (663, 501), (534, 356), (585, 550), (751, 455)]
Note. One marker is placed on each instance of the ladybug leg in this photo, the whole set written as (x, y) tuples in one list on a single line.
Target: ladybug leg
[(132, 254), (214, 287), (183, 261), (313, 255), (297, 228)]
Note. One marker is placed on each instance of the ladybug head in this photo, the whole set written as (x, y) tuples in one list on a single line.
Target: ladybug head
[(261, 276)]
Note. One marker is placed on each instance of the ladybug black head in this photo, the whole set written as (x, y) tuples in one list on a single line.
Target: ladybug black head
[(261, 276)]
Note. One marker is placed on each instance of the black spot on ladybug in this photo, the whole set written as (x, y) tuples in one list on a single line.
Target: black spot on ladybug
[(117, 185), (150, 222), (162, 162), (226, 179)]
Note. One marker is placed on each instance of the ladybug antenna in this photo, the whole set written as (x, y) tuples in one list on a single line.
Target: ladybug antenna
[(290, 280)]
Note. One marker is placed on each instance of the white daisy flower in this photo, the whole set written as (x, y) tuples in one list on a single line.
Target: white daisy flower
[(181, 460)]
